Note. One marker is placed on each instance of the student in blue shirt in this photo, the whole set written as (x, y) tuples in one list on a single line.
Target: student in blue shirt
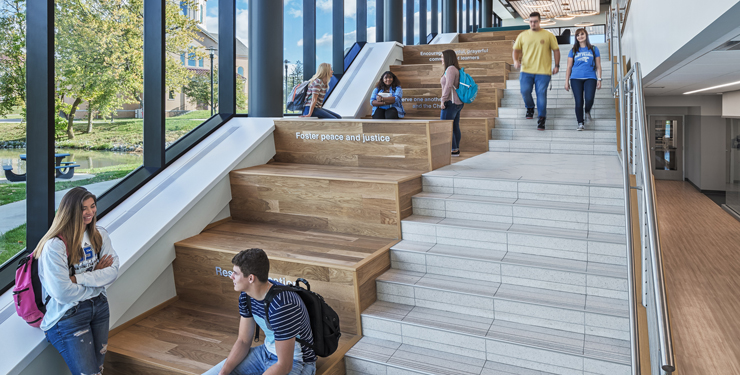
[(387, 97), (583, 75)]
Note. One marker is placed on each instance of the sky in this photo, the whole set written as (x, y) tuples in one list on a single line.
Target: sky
[(293, 26)]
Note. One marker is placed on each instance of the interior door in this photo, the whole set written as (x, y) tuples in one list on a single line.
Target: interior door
[(666, 147)]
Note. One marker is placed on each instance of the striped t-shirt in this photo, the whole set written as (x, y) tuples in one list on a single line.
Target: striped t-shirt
[(316, 88), (288, 318)]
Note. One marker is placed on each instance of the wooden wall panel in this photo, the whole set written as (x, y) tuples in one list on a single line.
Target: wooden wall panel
[(196, 281), (488, 74), (441, 143), (475, 134), (489, 36), (474, 51), (407, 147), (425, 102)]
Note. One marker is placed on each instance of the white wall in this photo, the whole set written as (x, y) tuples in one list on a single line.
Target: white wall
[(711, 105), (731, 104), (656, 29)]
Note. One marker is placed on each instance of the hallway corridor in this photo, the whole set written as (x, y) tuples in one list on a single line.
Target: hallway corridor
[(700, 244)]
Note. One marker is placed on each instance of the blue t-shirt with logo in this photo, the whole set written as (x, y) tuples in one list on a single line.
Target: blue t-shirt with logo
[(584, 63)]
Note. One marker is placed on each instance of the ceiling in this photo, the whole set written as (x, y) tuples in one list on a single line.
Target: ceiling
[(718, 65), (556, 8)]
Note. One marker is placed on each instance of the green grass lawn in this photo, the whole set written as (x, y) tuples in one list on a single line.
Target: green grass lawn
[(106, 134), (11, 242)]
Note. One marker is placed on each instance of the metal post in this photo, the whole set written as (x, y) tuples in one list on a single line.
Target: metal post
[(154, 89), (211, 51), (449, 16), (486, 11), (285, 92), (409, 22), (435, 16), (265, 58), (337, 26), (423, 21), (379, 24), (362, 20), (468, 17), (460, 23), (40, 126), (227, 54), (309, 38), (393, 15)]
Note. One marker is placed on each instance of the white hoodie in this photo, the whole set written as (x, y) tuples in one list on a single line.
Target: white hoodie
[(54, 275)]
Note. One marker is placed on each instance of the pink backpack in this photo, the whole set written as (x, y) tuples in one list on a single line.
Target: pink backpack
[(29, 303)]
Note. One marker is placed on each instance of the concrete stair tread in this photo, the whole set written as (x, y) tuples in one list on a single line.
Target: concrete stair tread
[(474, 329), (426, 361), (457, 285), (522, 259), (518, 228), (523, 202)]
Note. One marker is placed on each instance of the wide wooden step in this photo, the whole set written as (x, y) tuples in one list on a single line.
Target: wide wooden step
[(340, 267), (489, 36), (487, 74), (425, 102), (498, 50), (187, 338), (364, 201), (420, 145)]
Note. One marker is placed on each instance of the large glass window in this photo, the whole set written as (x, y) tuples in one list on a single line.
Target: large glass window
[(98, 130)]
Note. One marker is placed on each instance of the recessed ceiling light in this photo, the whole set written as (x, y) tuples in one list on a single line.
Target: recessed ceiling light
[(713, 87)]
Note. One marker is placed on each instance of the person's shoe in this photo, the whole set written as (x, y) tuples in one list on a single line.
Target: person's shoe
[(581, 127), (456, 153), (530, 113), (541, 124), (588, 118)]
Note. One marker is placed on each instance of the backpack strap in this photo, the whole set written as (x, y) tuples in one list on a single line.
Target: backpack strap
[(268, 301)]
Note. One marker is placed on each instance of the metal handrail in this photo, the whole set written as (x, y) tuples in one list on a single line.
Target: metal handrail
[(637, 158)]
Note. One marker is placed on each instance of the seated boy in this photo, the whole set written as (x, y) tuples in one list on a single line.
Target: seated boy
[(281, 354)]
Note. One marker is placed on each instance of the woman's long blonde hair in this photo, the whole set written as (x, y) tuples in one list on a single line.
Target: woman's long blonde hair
[(69, 225), (323, 72)]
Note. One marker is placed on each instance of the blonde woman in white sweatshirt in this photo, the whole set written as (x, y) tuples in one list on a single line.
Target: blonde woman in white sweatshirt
[(76, 263)]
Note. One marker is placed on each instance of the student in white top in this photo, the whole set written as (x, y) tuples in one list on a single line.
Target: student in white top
[(76, 263)]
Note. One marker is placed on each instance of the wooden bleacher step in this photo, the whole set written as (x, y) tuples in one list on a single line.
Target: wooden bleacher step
[(188, 338), (487, 74), (364, 201), (197, 331)]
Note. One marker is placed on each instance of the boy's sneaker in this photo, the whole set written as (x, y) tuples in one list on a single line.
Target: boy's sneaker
[(541, 124), (581, 127), (588, 117), (456, 153), (530, 113)]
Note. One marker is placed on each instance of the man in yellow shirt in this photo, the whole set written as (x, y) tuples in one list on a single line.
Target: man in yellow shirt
[(532, 53)]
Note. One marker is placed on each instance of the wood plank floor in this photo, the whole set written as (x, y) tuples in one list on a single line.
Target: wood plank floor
[(701, 252), (186, 337)]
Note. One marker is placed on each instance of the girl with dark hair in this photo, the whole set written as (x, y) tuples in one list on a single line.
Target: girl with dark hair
[(584, 75), (451, 103), (387, 97), (76, 263)]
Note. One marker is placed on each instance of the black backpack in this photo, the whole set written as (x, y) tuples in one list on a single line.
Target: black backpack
[(324, 320)]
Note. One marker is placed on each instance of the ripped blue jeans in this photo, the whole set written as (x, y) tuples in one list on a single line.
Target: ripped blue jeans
[(81, 336)]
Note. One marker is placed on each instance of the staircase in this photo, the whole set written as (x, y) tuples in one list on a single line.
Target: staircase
[(327, 209), (514, 261)]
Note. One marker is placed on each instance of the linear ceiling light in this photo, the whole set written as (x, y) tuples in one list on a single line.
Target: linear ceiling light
[(713, 87)]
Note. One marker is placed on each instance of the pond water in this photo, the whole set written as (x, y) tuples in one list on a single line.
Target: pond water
[(86, 159)]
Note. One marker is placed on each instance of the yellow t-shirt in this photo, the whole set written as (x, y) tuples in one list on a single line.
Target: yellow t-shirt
[(536, 49)]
